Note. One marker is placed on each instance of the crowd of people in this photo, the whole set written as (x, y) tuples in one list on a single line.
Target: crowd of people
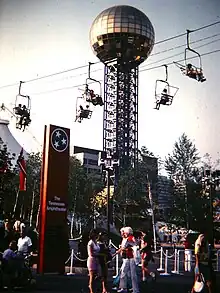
[(133, 250), (17, 241), (19, 232), (16, 248)]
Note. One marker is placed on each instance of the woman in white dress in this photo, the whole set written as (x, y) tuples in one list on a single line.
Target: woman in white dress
[(93, 261)]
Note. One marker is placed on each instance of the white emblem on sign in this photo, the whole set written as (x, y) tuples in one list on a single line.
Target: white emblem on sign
[(59, 140)]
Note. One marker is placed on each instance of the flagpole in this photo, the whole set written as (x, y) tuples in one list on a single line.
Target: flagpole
[(153, 218), (16, 202), (32, 205)]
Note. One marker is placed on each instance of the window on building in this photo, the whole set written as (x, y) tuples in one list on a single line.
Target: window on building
[(93, 162), (94, 171)]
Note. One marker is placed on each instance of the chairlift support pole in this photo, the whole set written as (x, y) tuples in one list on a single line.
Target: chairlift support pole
[(190, 49), (90, 78), (166, 70), (19, 91), (187, 38), (89, 70)]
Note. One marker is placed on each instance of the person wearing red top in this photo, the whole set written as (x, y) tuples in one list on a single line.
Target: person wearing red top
[(146, 256), (128, 267), (188, 255)]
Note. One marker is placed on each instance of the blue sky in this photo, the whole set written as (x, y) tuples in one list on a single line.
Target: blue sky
[(46, 36)]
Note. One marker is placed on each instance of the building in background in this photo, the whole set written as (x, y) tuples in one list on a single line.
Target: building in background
[(12, 145), (164, 195), (89, 159)]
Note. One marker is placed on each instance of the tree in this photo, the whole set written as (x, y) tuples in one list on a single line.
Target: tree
[(132, 200), (84, 192), (34, 165), (181, 166), (144, 152), (208, 163), (75, 185), (7, 180), (183, 159), (26, 204)]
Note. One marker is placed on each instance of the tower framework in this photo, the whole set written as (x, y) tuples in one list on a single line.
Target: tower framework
[(120, 123), (122, 37)]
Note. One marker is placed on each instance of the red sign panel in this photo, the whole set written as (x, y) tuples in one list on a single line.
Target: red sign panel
[(53, 235)]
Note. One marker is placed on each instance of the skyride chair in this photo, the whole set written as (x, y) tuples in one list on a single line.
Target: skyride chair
[(188, 69), (22, 109), (164, 92), (88, 100)]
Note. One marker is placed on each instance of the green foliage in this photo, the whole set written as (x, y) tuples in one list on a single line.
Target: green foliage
[(7, 180), (183, 159), (31, 198), (83, 188), (132, 201), (208, 163), (191, 206)]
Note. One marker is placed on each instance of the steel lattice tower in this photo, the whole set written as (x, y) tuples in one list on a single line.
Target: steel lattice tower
[(122, 37), (120, 128)]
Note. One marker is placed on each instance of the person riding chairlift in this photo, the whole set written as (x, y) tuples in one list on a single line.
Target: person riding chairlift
[(24, 114), (18, 110), (95, 99), (92, 97), (164, 99), (194, 73), (24, 120), (83, 113)]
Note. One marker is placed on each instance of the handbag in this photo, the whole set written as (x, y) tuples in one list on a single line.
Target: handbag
[(199, 283)]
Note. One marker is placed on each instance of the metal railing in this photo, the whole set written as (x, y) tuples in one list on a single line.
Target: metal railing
[(178, 262)]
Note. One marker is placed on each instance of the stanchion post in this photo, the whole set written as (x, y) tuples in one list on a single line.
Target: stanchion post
[(116, 266), (175, 263), (217, 261), (166, 265), (71, 264), (160, 269)]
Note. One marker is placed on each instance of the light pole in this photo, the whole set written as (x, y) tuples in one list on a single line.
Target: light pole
[(153, 218), (109, 165), (211, 181)]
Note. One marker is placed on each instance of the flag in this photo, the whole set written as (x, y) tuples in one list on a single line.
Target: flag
[(22, 172)]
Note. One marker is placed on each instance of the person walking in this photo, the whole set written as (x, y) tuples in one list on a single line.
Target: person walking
[(146, 256), (203, 267), (93, 250), (188, 254), (104, 257), (128, 267)]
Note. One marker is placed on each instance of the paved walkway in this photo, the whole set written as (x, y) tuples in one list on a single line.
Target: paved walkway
[(79, 284)]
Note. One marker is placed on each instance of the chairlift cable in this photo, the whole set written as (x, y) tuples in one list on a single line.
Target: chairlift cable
[(184, 34), (83, 66), (54, 74), (178, 54), (64, 88), (190, 58), (151, 68), (184, 45), (158, 53)]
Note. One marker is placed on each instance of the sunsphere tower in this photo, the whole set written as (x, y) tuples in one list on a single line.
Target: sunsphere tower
[(122, 37)]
